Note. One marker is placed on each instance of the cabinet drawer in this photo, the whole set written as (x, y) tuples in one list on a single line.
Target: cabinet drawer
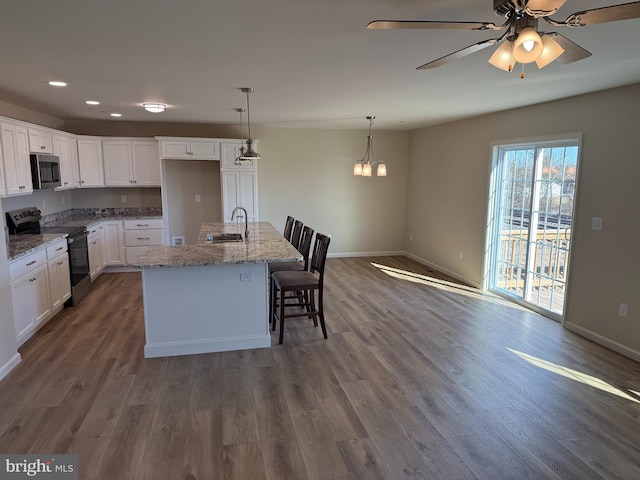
[(142, 224), (140, 238), (56, 249), (27, 264), (132, 254)]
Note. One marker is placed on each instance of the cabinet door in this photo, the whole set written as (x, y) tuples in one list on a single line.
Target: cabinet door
[(204, 150), (229, 151), (22, 317), (17, 167), (117, 163), (96, 254), (40, 141), (62, 148), (75, 167), (90, 162), (39, 295), (248, 194), (59, 281), (3, 190), (145, 163), (113, 243), (230, 192), (175, 149)]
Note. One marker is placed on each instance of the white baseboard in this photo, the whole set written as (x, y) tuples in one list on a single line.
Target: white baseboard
[(604, 341), (442, 269), (172, 349), (10, 365)]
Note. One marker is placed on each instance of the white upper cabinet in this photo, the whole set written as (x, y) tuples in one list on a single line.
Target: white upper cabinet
[(189, 148), (3, 190), (62, 149), (131, 163), (40, 141), (239, 189), (230, 152), (17, 167), (90, 162)]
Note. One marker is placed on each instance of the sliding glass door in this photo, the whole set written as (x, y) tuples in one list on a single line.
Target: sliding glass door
[(530, 219)]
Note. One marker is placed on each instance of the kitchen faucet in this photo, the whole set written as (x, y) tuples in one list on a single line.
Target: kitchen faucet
[(246, 220)]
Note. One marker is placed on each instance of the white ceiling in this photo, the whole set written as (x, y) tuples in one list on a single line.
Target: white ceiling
[(312, 63)]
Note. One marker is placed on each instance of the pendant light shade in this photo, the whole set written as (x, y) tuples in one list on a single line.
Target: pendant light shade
[(249, 153), (364, 166)]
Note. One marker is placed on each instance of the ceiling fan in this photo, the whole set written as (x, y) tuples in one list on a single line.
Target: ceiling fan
[(521, 41)]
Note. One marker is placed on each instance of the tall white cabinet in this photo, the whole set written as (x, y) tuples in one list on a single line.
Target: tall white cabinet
[(15, 153), (239, 183)]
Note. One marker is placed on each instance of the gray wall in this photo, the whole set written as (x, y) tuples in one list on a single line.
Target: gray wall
[(447, 205)]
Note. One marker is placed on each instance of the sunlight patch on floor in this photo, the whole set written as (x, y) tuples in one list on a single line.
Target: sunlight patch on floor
[(445, 285), (575, 375)]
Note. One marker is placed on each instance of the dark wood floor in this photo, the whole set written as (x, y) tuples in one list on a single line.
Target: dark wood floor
[(419, 379)]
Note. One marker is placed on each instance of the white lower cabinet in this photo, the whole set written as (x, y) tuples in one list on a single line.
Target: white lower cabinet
[(96, 251), (59, 277), (113, 243), (140, 234), (29, 294)]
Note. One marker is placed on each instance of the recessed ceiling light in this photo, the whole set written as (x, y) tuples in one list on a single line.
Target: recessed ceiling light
[(92, 102), (58, 84), (116, 114), (154, 107)]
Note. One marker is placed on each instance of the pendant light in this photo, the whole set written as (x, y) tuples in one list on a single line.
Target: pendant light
[(363, 167), (249, 153), (241, 150)]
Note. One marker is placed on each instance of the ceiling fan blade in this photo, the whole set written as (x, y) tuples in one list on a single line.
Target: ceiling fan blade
[(572, 51), (459, 54), (612, 13), (422, 24), (543, 8)]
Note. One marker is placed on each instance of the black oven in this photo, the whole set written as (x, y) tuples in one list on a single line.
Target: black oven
[(27, 221)]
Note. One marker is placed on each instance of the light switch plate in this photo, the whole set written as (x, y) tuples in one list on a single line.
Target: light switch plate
[(596, 223)]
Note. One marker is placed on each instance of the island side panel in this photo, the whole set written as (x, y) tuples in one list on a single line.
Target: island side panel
[(203, 309)]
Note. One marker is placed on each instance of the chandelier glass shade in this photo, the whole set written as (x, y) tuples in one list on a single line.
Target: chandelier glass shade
[(364, 166)]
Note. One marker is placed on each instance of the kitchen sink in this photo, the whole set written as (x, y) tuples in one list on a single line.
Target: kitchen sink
[(224, 238)]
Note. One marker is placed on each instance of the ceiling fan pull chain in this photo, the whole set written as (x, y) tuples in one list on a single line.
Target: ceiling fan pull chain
[(522, 73)]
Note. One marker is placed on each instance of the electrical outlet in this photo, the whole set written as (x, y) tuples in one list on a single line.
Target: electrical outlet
[(246, 277), (197, 198), (177, 241), (624, 310), (123, 199), (410, 236), (62, 200), (461, 255)]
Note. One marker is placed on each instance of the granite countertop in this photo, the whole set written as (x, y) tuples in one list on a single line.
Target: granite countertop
[(265, 244), (22, 245)]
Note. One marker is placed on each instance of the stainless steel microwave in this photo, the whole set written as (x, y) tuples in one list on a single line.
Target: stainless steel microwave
[(45, 171)]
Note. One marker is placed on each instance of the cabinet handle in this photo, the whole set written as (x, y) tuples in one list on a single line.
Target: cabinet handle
[(31, 263), (144, 238), (60, 263), (142, 224), (66, 183), (94, 242), (33, 279), (59, 248), (81, 181)]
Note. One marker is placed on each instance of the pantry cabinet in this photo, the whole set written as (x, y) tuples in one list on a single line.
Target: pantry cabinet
[(239, 189)]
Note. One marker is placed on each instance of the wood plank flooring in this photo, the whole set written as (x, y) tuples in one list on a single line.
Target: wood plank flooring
[(419, 378)]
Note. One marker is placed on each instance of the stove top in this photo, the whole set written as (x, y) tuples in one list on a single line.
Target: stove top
[(71, 230)]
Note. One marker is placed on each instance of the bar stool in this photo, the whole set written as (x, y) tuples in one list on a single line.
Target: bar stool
[(297, 232), (304, 281), (288, 226)]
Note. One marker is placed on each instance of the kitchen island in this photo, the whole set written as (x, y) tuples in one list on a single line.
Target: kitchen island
[(211, 297)]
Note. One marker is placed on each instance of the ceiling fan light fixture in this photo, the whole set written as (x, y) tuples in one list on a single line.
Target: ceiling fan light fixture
[(551, 50), (503, 58), (543, 8), (528, 46)]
